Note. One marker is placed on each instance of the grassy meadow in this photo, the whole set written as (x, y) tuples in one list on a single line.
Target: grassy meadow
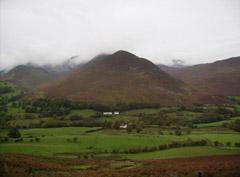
[(60, 142)]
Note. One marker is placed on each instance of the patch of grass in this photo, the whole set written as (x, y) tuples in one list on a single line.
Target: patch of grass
[(83, 167), (223, 138), (219, 123), (84, 112), (180, 152)]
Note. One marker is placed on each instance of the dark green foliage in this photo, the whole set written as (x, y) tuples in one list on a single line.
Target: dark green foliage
[(178, 132), (228, 143), (237, 144), (4, 139), (75, 117), (98, 115), (14, 133), (117, 124), (216, 143), (115, 151), (37, 139), (75, 139), (18, 140), (129, 128), (30, 109), (6, 89), (139, 129), (162, 147)]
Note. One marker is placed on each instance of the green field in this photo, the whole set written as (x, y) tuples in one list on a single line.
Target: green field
[(60, 140), (180, 152), (84, 113), (219, 123), (223, 138)]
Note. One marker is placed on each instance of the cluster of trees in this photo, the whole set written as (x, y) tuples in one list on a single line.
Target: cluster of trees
[(6, 89), (233, 125), (65, 103)]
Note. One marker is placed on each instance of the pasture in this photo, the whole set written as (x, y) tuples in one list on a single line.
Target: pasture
[(60, 141)]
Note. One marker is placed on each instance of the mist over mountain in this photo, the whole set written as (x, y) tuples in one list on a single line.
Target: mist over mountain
[(64, 68)]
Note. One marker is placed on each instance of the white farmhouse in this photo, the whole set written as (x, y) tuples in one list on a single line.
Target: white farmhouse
[(107, 113), (123, 126), (116, 113)]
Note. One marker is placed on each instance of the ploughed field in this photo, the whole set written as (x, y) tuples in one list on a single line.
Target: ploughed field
[(28, 165)]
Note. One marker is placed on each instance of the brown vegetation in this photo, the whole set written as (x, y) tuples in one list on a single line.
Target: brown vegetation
[(218, 78), (27, 165), (124, 77)]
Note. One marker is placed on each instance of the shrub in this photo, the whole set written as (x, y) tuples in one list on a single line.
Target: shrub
[(145, 149), (4, 139), (162, 147), (85, 156), (31, 140), (75, 139), (216, 143), (178, 132), (228, 143), (14, 133), (203, 142), (237, 144), (37, 139), (115, 151), (154, 148), (139, 129), (18, 140), (75, 117), (175, 144)]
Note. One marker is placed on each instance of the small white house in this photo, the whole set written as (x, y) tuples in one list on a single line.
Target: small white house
[(123, 126), (107, 113), (116, 113)]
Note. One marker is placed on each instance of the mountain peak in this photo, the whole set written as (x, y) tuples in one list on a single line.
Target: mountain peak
[(123, 53)]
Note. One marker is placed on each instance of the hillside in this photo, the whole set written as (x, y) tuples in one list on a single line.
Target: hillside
[(218, 78), (27, 77), (123, 77)]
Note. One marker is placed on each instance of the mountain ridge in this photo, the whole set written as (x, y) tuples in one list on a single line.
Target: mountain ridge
[(221, 77), (124, 77)]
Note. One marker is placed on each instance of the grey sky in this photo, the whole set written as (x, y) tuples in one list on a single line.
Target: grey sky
[(50, 31)]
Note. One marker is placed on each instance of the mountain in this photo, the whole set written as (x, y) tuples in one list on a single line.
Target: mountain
[(27, 77), (64, 68), (219, 78), (123, 77)]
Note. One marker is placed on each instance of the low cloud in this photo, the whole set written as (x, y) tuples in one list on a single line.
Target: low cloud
[(51, 31)]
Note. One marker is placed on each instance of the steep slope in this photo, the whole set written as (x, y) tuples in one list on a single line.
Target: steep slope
[(124, 77), (218, 78), (27, 77)]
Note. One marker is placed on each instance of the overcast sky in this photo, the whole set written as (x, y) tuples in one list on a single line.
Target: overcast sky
[(50, 31)]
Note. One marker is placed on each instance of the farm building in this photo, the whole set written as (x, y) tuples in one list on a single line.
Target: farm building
[(123, 126)]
